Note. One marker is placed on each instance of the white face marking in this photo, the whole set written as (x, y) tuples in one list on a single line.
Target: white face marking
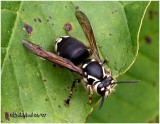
[(57, 41), (84, 66), (109, 90), (112, 81), (102, 89), (106, 93), (109, 87), (95, 86), (64, 36)]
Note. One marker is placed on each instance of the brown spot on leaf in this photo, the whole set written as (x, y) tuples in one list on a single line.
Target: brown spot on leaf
[(68, 87), (66, 102), (66, 7), (9, 56), (152, 14), (154, 84), (127, 50), (154, 120), (7, 116), (28, 28), (77, 7), (68, 27), (44, 80), (114, 11), (35, 5), (37, 20), (147, 40)]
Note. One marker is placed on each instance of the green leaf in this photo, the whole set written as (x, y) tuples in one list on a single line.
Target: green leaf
[(32, 85), (134, 103), (9, 16)]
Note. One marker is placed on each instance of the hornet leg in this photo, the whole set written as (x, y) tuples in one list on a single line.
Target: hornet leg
[(89, 87), (67, 101)]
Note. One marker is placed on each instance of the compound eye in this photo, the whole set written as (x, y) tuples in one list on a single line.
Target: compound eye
[(101, 89), (100, 86), (110, 78)]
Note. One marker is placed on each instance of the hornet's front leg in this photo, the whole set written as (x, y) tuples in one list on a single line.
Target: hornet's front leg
[(89, 88)]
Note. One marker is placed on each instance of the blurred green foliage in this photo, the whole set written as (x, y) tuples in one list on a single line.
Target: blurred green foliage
[(138, 102)]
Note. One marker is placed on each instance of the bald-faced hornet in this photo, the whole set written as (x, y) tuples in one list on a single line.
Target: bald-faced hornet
[(74, 55)]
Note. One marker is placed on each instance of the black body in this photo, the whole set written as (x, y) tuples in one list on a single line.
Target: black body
[(72, 49), (93, 69)]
